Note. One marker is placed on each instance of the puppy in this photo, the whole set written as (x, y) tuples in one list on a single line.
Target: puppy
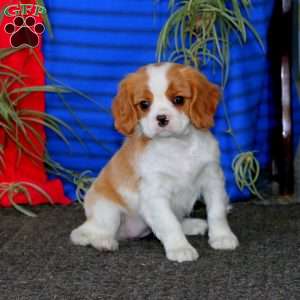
[(168, 159)]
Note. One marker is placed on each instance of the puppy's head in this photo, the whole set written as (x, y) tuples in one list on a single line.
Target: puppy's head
[(163, 100)]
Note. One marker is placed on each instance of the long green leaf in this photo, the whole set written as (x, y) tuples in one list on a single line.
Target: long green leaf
[(41, 88), (8, 51)]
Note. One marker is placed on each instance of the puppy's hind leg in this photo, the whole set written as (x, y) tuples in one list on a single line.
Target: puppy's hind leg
[(100, 228)]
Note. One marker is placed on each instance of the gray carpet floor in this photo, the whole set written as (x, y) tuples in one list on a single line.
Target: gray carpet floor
[(37, 261)]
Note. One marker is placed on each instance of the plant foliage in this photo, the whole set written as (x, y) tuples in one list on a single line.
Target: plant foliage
[(200, 29), (197, 33), (16, 121)]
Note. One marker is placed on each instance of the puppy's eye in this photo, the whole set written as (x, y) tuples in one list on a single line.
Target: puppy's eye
[(144, 105), (178, 100)]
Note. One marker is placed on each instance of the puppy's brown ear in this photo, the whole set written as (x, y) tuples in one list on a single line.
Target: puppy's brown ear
[(123, 110), (205, 98)]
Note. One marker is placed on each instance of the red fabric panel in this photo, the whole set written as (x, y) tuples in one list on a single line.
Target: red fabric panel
[(22, 166)]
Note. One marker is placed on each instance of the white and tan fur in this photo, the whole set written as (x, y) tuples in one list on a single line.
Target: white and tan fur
[(154, 180)]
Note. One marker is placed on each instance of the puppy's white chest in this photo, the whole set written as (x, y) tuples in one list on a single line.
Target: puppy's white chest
[(173, 167), (169, 164), (177, 159)]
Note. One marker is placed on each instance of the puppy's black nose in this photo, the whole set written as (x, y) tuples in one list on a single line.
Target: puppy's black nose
[(162, 120)]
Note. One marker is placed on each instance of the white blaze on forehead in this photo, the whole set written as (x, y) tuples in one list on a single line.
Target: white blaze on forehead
[(158, 82)]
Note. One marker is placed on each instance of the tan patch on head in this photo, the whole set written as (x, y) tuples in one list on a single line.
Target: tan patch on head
[(119, 172), (201, 96), (158, 64), (132, 90), (178, 86)]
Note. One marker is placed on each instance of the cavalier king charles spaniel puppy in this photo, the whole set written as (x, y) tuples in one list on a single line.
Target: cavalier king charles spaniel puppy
[(168, 159)]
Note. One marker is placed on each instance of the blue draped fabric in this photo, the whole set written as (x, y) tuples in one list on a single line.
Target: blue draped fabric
[(96, 43)]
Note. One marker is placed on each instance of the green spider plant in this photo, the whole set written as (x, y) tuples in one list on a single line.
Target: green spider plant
[(82, 180), (11, 189), (16, 122), (198, 33)]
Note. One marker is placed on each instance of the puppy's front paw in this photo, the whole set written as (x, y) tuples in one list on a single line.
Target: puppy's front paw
[(80, 237), (85, 235), (224, 242), (105, 243), (181, 254)]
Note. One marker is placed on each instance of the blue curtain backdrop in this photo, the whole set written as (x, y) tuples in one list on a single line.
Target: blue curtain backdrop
[(96, 43)]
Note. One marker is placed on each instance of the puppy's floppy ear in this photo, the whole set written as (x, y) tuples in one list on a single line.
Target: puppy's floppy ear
[(205, 98), (123, 110)]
